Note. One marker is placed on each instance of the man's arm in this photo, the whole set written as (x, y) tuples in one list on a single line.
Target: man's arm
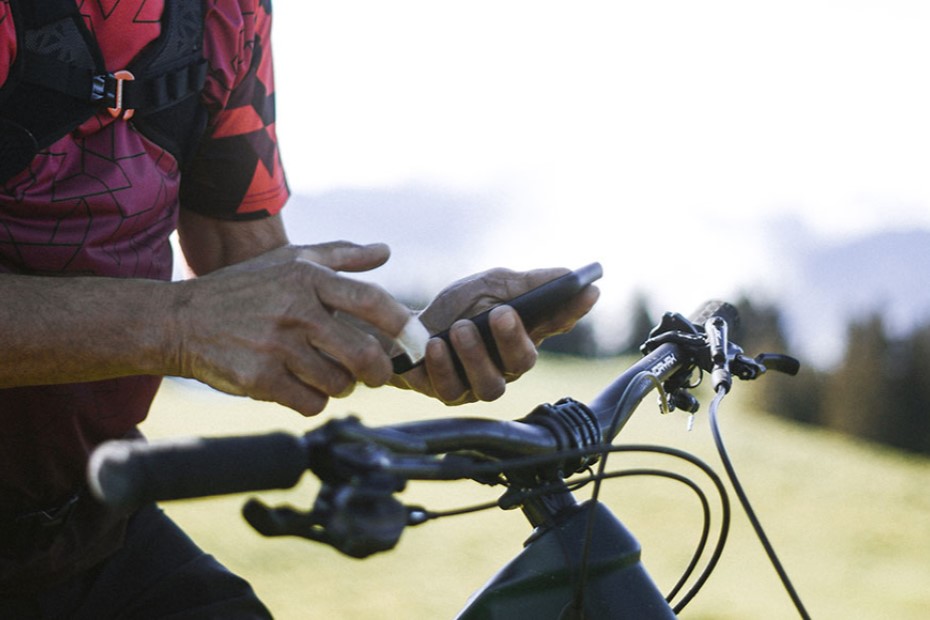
[(219, 243), (210, 244), (60, 330), (265, 330)]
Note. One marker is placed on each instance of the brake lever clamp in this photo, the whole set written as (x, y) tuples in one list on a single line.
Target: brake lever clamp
[(340, 449), (746, 368), (674, 328)]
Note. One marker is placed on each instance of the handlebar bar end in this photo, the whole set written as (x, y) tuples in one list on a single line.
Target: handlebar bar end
[(111, 473)]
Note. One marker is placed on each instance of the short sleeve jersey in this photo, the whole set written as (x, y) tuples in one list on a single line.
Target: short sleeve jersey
[(104, 187), (103, 201)]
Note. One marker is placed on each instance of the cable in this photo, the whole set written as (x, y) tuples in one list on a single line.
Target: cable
[(705, 506), (747, 507), (577, 604), (497, 467), (725, 516)]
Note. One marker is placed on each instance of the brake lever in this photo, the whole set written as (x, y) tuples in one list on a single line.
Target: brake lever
[(747, 368), (358, 520), (779, 362), (283, 521)]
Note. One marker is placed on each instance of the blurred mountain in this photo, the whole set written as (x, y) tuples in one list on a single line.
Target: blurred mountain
[(829, 285), (439, 235), (436, 235)]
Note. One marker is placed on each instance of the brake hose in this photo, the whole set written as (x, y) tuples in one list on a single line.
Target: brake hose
[(747, 507)]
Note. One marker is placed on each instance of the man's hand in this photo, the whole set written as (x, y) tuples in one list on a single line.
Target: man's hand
[(266, 328), (517, 347)]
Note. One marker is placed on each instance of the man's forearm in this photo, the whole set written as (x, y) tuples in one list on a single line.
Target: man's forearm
[(59, 330), (62, 330), (210, 244)]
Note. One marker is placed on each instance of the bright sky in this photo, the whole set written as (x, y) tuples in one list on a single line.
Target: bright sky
[(636, 133)]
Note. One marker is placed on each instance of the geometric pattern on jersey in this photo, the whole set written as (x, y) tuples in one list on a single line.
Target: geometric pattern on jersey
[(104, 199), (239, 188)]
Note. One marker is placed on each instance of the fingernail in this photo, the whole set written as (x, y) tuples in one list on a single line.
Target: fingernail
[(464, 334), (507, 320)]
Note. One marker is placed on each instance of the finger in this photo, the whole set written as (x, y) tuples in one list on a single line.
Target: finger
[(537, 277), (287, 390), (471, 295), (357, 354), (368, 302), (515, 348), (321, 373), (566, 317), (275, 377), (505, 284), (485, 378), (346, 256), (443, 377)]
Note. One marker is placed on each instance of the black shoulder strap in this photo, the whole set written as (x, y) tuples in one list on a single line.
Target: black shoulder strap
[(59, 80), (173, 72), (57, 48), (52, 48)]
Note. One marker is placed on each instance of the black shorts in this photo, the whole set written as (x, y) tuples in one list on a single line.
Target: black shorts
[(158, 573)]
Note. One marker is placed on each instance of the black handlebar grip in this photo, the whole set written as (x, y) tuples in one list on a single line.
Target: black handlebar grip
[(717, 308), (127, 474)]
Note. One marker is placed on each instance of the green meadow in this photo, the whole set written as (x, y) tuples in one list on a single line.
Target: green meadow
[(850, 521)]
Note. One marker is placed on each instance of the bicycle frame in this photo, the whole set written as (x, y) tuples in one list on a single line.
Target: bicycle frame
[(541, 581), (579, 562)]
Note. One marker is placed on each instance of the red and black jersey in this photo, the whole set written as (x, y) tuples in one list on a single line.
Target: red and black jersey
[(103, 200)]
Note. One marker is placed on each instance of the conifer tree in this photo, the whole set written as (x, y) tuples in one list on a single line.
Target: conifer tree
[(859, 393)]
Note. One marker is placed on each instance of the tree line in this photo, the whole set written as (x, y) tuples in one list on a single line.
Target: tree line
[(878, 391)]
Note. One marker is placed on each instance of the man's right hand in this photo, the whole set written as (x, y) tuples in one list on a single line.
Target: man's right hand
[(266, 328)]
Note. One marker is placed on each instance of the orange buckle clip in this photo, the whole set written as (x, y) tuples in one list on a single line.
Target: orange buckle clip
[(118, 111)]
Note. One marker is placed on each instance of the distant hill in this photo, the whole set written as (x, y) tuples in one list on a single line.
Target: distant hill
[(439, 235), (436, 235), (830, 285)]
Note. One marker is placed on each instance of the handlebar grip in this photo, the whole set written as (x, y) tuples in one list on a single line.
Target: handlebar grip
[(717, 308), (129, 473)]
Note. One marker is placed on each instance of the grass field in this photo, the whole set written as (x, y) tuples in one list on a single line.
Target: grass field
[(850, 521)]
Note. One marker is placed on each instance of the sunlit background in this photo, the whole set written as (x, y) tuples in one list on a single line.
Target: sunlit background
[(695, 149)]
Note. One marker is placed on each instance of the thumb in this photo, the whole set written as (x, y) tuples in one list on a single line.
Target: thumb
[(345, 255)]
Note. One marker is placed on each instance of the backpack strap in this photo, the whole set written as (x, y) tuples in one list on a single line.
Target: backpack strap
[(52, 48), (173, 72), (59, 80)]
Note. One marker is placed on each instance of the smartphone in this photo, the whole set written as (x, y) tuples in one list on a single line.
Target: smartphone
[(532, 306)]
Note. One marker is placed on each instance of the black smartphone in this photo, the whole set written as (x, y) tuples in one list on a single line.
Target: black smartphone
[(532, 306)]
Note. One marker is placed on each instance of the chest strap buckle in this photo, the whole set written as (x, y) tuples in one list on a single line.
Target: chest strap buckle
[(118, 79)]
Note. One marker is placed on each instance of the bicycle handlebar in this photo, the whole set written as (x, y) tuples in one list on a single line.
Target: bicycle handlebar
[(361, 468), (128, 473)]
